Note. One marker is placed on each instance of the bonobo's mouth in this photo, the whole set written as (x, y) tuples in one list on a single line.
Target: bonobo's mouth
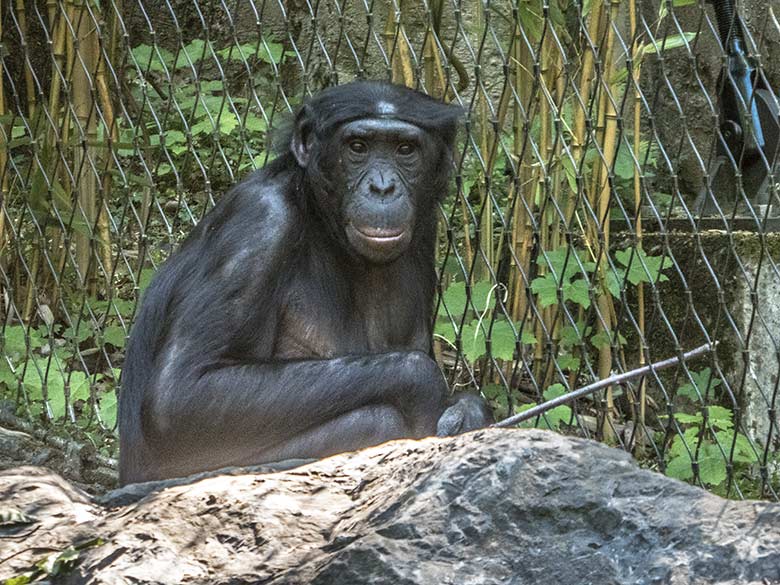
[(381, 235), (378, 244)]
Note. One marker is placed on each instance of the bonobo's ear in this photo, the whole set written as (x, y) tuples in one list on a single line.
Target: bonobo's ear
[(303, 136)]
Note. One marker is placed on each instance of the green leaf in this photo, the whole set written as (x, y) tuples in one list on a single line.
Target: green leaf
[(577, 292), (568, 362), (632, 259), (205, 126), (59, 562), (503, 340), (743, 453), (447, 329), (108, 409), (271, 52), (604, 339), (196, 50), (564, 264), (680, 467), (667, 43), (702, 380), (554, 391), (686, 419), (453, 300), (720, 417), (614, 281), (151, 58), (546, 290), (572, 335), (473, 340), (15, 344), (482, 295), (255, 123), (79, 386), (528, 338), (115, 335), (712, 465), (227, 122)]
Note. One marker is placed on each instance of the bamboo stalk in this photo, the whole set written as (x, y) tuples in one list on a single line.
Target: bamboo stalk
[(402, 70), (83, 106), (21, 17), (3, 156), (112, 134), (586, 78), (637, 123), (601, 205)]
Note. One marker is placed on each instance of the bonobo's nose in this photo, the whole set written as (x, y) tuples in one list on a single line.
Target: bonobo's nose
[(379, 185)]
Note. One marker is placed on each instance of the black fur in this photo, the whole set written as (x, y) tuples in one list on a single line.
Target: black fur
[(284, 326)]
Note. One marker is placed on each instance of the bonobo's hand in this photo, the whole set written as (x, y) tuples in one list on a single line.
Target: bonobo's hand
[(470, 412)]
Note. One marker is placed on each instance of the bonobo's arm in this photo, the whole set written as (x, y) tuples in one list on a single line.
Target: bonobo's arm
[(252, 413), (201, 389)]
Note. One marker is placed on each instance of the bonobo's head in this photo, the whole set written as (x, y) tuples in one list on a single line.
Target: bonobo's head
[(376, 159)]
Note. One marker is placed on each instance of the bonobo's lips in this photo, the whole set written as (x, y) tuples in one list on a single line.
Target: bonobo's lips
[(378, 244), (381, 236)]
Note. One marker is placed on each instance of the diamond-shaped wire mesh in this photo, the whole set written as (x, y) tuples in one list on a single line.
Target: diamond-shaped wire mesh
[(601, 217)]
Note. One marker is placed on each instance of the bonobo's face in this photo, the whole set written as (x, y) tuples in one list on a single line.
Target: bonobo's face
[(379, 171)]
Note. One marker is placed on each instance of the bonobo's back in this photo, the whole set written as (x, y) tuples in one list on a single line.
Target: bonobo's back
[(179, 277)]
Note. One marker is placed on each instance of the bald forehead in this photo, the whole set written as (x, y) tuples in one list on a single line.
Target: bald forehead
[(387, 128)]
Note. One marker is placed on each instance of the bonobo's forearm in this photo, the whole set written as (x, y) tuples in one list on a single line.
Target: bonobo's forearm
[(253, 407)]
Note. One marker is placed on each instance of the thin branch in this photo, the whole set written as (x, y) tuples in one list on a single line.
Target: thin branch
[(601, 384)]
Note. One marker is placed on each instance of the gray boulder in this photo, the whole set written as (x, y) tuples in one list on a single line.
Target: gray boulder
[(496, 506)]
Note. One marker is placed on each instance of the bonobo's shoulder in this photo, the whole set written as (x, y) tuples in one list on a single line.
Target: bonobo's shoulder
[(262, 205)]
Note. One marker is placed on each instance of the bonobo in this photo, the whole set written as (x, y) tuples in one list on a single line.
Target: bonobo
[(295, 321)]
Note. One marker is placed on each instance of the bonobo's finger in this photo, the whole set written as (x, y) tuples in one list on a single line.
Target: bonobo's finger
[(469, 413)]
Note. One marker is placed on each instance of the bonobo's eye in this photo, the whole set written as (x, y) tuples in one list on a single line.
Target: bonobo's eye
[(406, 149), (358, 146)]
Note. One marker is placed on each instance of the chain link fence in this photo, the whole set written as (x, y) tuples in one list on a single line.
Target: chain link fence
[(614, 202)]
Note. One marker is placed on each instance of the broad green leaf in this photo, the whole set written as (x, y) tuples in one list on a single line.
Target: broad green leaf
[(453, 300), (680, 467), (742, 450), (554, 391), (255, 124), (564, 263), (446, 328), (473, 341), (577, 292), (503, 340), (702, 380), (568, 362), (712, 465), (572, 335), (632, 259), (115, 335), (227, 122), (686, 419), (528, 338), (546, 290), (720, 417), (108, 409), (152, 58), (604, 339), (670, 42)]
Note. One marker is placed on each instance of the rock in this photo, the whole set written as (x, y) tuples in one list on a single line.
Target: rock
[(496, 506)]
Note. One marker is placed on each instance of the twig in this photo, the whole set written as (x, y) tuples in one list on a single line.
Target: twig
[(590, 388)]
